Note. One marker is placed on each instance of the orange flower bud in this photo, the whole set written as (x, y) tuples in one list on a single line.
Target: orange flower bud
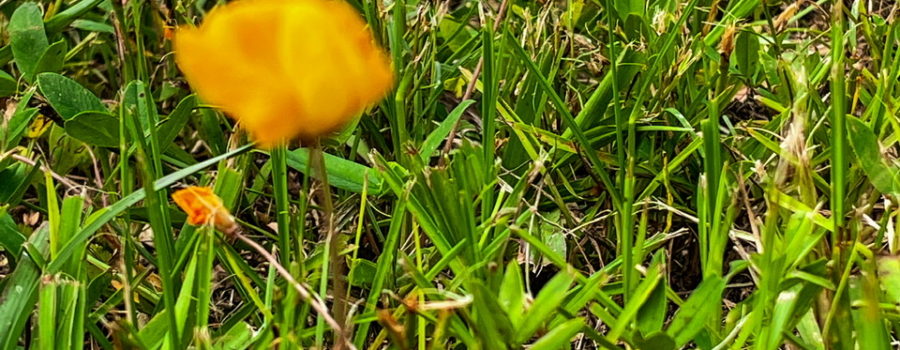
[(285, 68), (204, 207), (168, 32)]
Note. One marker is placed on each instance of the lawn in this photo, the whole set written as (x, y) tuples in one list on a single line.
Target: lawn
[(454, 174)]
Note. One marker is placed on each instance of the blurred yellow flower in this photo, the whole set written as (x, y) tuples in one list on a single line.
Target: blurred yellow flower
[(204, 207), (285, 68), (37, 128)]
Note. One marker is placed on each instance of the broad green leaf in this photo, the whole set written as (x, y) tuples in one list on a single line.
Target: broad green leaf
[(809, 330), (544, 306), (512, 293), (455, 34), (27, 38), (556, 241), (8, 84), (865, 146), (652, 314), (342, 173), (746, 51), (552, 234), (53, 58), (440, 133), (784, 308), (559, 337), (67, 97), (94, 128), (136, 100), (633, 22), (629, 7)]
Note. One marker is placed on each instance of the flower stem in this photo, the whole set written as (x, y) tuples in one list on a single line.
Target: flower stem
[(282, 205), (337, 266)]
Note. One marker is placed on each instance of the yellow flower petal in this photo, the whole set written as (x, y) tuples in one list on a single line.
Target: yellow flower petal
[(285, 68)]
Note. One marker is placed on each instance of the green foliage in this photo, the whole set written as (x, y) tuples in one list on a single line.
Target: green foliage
[(545, 175), (27, 38), (67, 97)]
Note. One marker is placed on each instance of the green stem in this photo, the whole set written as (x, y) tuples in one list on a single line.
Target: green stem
[(282, 204), (337, 266), (840, 303)]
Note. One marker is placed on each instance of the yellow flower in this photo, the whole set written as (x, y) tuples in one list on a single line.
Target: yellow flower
[(285, 68), (204, 207)]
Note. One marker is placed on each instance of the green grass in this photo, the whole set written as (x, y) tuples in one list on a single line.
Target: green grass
[(570, 174)]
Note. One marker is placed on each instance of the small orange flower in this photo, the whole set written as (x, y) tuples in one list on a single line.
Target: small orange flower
[(285, 68), (204, 207)]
